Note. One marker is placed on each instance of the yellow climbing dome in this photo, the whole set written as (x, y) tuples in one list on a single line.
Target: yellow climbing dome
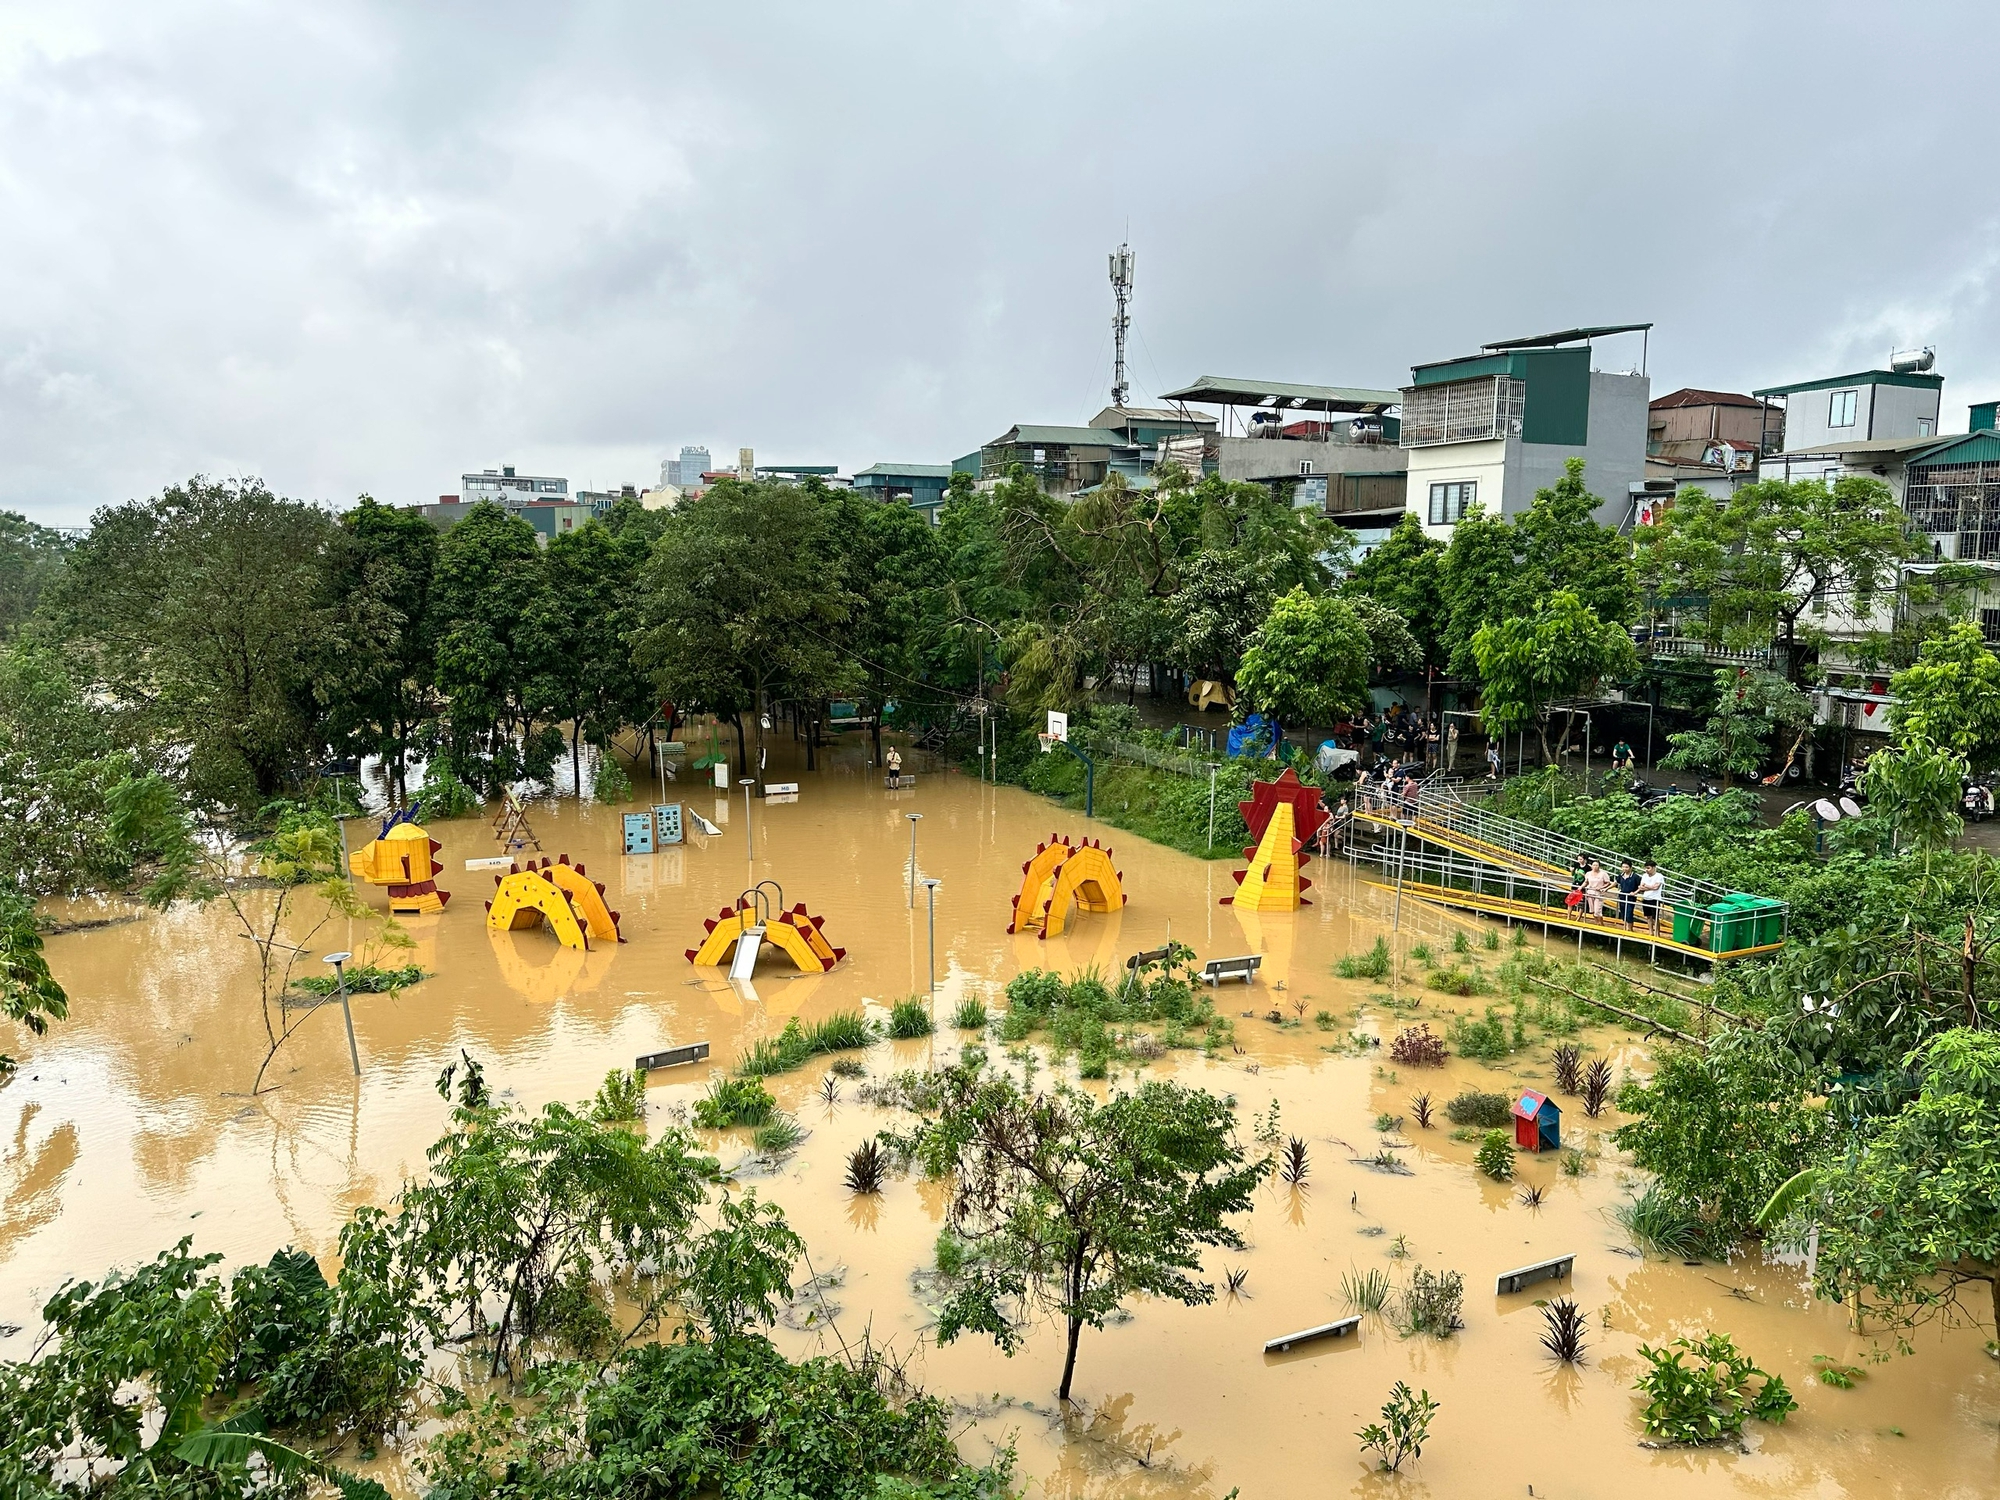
[(1059, 873), (560, 895), (796, 932), (401, 857)]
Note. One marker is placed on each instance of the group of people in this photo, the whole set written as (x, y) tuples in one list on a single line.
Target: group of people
[(1637, 894), (1390, 784)]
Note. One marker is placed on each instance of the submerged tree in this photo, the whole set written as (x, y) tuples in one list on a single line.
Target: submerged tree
[(1073, 1204)]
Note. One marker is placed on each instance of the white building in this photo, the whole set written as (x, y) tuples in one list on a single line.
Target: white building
[(505, 487), (1490, 429)]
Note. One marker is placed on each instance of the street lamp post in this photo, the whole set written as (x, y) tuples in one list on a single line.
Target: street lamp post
[(931, 884), (339, 962), (914, 819), (749, 842), (1213, 767)]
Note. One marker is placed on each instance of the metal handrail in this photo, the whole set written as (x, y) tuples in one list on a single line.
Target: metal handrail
[(1442, 807)]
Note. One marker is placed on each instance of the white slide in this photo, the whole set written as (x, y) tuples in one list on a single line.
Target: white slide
[(744, 964)]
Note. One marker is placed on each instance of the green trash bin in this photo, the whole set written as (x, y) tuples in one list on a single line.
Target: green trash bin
[(1687, 919), (1731, 926), (1770, 919)]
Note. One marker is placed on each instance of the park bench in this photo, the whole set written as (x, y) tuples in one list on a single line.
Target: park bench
[(1556, 1269), (1339, 1328), (898, 783), (1245, 968), (1150, 956), (673, 1057)]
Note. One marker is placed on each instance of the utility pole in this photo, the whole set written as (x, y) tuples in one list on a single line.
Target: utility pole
[(914, 818), (339, 962), (931, 883), (1122, 261)]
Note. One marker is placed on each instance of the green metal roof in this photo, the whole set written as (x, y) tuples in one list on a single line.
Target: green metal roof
[(1568, 336), (1219, 390), (1863, 377), (1075, 437), (907, 471), (1965, 448)]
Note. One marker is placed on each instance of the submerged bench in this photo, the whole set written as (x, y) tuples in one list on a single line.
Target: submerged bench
[(1245, 968), (1337, 1329), (898, 783), (673, 1057), (1542, 1270)]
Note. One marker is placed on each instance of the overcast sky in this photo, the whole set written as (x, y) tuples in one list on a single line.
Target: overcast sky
[(352, 247)]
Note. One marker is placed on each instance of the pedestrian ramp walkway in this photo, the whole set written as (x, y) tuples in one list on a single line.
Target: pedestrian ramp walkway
[(1433, 831), (1567, 918)]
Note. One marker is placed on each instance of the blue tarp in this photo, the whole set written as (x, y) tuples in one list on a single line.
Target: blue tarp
[(1256, 727)]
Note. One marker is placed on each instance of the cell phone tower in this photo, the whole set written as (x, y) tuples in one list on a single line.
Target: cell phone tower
[(1122, 260)]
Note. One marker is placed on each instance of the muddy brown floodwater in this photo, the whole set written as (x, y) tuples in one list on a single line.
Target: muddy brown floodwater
[(128, 1127)]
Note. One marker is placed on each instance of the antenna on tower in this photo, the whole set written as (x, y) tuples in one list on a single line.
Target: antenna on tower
[(1122, 260)]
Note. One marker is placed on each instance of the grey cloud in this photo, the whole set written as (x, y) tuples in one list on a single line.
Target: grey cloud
[(361, 247)]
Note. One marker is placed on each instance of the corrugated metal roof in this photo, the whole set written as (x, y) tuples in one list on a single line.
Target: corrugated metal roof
[(1860, 377), (1568, 336), (911, 471), (1075, 437), (1222, 390), (1693, 396)]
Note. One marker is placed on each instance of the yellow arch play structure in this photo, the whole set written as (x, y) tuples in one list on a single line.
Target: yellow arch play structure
[(1061, 873), (401, 857), (558, 895), (796, 933)]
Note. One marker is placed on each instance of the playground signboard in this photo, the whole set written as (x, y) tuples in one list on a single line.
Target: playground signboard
[(667, 820), (638, 833)]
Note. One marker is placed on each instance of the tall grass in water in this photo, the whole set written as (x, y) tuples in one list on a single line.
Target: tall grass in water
[(798, 1044), (910, 1018), (1658, 1224), (1374, 964), (1365, 1291)]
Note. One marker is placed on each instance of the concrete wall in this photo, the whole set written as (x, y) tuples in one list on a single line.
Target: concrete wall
[(1485, 464), (1276, 458), (1884, 413), (1899, 409)]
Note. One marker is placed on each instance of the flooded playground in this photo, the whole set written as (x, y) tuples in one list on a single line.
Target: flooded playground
[(130, 1125)]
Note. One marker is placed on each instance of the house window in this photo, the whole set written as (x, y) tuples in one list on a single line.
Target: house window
[(1926, 426), (1989, 625), (1449, 502), (1840, 409)]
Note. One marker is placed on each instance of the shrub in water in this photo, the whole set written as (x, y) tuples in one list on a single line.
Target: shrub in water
[(1475, 1108), (621, 1097), (1374, 964), (1567, 1059), (1418, 1047), (1036, 991), (1404, 1428), (1563, 1335), (733, 1101), (866, 1167), (778, 1136), (1365, 1291), (1703, 1390), (1496, 1156), (1433, 1304), (1659, 1224), (909, 1018), (970, 1015), (1420, 1106), (1596, 1086), (1485, 1038)]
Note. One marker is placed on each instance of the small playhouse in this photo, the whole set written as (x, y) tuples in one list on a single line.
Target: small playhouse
[(1537, 1122)]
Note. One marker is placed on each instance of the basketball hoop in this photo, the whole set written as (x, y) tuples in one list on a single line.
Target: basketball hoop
[(1048, 742)]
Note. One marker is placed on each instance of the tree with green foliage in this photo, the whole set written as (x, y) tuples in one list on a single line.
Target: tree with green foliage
[(486, 591), (1402, 573), (1495, 570), (578, 635), (58, 763), (1919, 790), (1779, 563), (1910, 1212), (29, 993), (1308, 662), (1075, 1204), (31, 557), (1750, 706), (1528, 662), (1721, 1126), (382, 701), (1950, 697), (891, 557), (745, 604), (203, 615)]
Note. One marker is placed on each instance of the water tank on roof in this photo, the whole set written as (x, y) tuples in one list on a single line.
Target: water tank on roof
[(1913, 361)]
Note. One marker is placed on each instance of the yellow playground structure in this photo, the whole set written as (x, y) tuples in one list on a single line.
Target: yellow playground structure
[(738, 933), (1282, 815), (556, 894), (401, 857), (1061, 873)]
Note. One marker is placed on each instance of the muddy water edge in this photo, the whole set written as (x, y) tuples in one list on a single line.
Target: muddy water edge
[(129, 1126)]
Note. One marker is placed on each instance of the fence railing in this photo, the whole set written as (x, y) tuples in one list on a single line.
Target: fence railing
[(1160, 760), (1440, 805)]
